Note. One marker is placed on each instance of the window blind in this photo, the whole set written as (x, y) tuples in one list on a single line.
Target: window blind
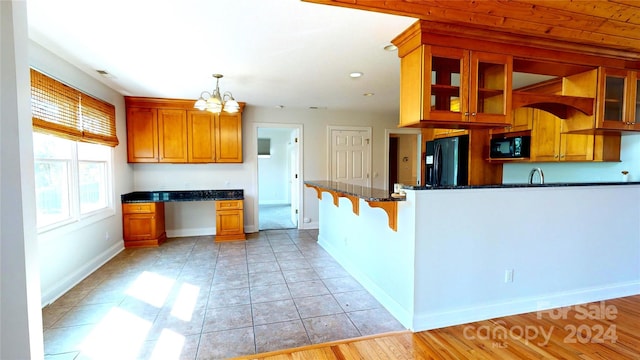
[(61, 110)]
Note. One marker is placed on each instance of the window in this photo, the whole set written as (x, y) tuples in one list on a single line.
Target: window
[(72, 141), (264, 147), (72, 180)]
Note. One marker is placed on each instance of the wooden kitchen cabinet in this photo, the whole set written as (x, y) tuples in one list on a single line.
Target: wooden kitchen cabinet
[(451, 87), (619, 108), (142, 135), (143, 224), (201, 136), (156, 135), (549, 142), (229, 220), (617, 104), (229, 138), (172, 136), (170, 130)]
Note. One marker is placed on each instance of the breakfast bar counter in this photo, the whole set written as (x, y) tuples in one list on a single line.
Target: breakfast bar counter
[(467, 254), (375, 198)]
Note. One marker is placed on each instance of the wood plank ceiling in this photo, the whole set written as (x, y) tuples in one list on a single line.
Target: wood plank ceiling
[(610, 26)]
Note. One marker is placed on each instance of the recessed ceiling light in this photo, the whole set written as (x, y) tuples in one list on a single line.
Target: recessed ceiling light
[(368, 94), (390, 47), (356, 74)]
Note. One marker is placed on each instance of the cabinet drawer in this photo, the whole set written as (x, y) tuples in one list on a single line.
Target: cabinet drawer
[(228, 204), (139, 208)]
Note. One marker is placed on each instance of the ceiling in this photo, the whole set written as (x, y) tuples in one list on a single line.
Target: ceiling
[(610, 24), (292, 53), (271, 53)]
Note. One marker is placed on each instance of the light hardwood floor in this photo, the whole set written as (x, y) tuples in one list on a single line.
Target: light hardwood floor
[(601, 330)]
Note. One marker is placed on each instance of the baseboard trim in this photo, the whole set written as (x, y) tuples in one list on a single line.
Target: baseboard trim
[(190, 232), (68, 282), (525, 305)]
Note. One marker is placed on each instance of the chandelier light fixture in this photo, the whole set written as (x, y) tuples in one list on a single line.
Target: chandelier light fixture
[(214, 102)]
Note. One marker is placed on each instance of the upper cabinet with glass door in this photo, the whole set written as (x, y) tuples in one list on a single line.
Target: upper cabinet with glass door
[(454, 88), (619, 108)]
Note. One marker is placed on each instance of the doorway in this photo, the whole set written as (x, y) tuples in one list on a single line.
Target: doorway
[(350, 155), (278, 176), (404, 165)]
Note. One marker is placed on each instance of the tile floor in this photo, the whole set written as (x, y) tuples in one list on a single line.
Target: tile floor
[(192, 298), (275, 217)]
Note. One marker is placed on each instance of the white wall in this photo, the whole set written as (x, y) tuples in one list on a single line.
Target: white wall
[(69, 254), (446, 263), (20, 315), (198, 218), (566, 245), (273, 172), (381, 259), (583, 172)]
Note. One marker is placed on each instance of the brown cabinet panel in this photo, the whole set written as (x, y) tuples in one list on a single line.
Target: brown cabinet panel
[(229, 220), (545, 137), (201, 136), (172, 135), (229, 205), (229, 140), (143, 224), (138, 208), (142, 135), (619, 107)]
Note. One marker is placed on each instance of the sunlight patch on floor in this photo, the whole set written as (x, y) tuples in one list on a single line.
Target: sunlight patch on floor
[(151, 288), (185, 302), (120, 335), (169, 346)]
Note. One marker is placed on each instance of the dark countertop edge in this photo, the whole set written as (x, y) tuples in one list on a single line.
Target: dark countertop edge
[(184, 195), (514, 186), (362, 192)]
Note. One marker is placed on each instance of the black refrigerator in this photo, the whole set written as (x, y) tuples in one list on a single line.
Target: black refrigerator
[(447, 161)]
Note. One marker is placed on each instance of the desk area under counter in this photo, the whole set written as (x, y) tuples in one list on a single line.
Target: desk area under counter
[(143, 214)]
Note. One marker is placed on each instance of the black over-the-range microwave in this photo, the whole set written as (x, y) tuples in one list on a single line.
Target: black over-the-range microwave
[(510, 147)]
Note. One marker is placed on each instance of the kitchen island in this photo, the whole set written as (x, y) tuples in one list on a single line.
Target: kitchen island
[(477, 252)]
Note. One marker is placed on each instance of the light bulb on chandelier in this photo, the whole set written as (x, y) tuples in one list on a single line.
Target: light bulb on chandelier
[(214, 102)]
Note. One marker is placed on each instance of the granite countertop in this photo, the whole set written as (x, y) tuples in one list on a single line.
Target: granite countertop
[(362, 192), (507, 186), (181, 195)]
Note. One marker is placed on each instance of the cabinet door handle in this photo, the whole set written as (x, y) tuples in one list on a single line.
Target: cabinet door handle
[(473, 114)]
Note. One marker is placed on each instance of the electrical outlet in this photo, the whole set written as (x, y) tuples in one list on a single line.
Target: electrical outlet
[(508, 276), (306, 220), (106, 236)]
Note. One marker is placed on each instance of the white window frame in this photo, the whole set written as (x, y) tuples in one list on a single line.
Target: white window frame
[(78, 219)]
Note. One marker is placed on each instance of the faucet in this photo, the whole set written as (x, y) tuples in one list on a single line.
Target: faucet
[(533, 172)]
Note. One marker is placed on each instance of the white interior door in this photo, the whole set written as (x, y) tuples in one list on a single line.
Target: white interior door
[(350, 154)]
